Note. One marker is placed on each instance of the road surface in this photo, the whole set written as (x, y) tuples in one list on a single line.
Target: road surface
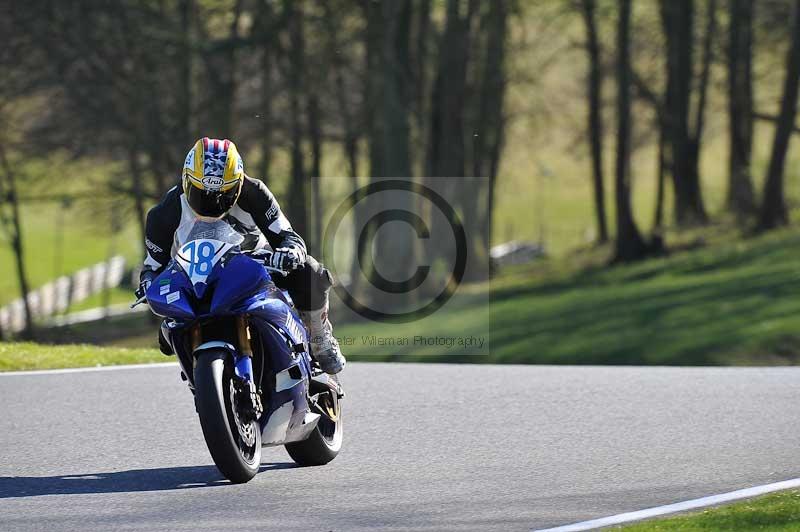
[(427, 447)]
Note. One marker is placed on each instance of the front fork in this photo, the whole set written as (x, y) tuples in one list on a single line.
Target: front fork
[(243, 365), (244, 383), (243, 368)]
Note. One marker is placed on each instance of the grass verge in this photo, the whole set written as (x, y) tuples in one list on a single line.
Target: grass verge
[(777, 511), (15, 356)]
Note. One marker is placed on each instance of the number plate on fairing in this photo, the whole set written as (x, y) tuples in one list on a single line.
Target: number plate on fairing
[(198, 257)]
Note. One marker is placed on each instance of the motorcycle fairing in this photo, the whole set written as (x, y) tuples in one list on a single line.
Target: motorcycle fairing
[(286, 414), (170, 294), (232, 279)]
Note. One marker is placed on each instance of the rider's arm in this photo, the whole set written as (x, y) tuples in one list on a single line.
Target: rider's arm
[(257, 200), (162, 222)]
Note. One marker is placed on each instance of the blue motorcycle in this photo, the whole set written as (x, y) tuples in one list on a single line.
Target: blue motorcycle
[(245, 354)]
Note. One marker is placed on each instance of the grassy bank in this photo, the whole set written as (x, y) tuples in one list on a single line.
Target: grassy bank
[(779, 511), (28, 356), (732, 302)]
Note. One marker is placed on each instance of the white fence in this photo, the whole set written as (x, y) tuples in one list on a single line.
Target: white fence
[(55, 297)]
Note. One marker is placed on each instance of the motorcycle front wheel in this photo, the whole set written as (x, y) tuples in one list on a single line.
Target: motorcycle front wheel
[(235, 446)]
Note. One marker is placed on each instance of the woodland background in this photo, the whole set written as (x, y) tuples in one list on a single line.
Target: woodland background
[(620, 136)]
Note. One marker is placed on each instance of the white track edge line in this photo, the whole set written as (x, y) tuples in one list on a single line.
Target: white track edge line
[(86, 370), (657, 511)]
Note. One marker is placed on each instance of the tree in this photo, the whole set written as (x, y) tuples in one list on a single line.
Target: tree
[(266, 26), (773, 211), (297, 205), (422, 82), (448, 154), (396, 88), (332, 20), (186, 10), (696, 135), (12, 224), (629, 243), (488, 144), (595, 124), (677, 18), (394, 244), (221, 69), (741, 198), (373, 85)]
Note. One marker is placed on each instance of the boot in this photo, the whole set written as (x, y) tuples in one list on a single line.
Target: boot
[(324, 347)]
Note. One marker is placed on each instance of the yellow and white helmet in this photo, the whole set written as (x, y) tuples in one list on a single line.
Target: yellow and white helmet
[(213, 174)]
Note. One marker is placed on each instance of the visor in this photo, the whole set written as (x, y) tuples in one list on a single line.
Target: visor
[(212, 203)]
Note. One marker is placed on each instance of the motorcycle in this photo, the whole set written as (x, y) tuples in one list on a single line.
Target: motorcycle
[(245, 354)]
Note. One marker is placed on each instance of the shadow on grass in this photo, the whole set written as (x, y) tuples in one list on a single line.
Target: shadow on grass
[(714, 260), (159, 479), (686, 324)]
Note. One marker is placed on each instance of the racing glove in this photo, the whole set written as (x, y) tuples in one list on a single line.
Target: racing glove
[(287, 258), (284, 258)]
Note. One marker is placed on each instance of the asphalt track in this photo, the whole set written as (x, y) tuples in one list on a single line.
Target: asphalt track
[(427, 447)]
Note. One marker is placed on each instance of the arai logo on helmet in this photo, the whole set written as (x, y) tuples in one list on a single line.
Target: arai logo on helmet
[(211, 182)]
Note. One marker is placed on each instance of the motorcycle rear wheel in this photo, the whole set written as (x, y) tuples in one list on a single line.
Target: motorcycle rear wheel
[(325, 441), (238, 460)]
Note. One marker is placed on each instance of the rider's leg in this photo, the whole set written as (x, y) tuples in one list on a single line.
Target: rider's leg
[(309, 286)]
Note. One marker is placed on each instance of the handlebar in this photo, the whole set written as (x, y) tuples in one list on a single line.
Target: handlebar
[(276, 270)]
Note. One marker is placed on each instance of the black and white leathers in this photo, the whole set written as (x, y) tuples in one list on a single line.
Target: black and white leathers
[(256, 215)]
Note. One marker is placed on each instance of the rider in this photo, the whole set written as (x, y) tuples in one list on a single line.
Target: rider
[(214, 186)]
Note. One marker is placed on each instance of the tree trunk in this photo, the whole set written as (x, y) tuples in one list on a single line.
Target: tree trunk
[(696, 135), (658, 221), (678, 20), (186, 8), (298, 193), (595, 125), (362, 265), (395, 243), (629, 243), (138, 189), (350, 142), (315, 136), (396, 89), (773, 209), (373, 85), (266, 26), (266, 113), (741, 197), (221, 74), (487, 152), (337, 61), (422, 37), (9, 192), (447, 154), (447, 157), (705, 73)]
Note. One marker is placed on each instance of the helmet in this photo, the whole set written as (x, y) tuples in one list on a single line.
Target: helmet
[(213, 174)]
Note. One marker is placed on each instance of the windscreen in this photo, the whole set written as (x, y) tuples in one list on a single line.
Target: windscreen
[(202, 244)]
